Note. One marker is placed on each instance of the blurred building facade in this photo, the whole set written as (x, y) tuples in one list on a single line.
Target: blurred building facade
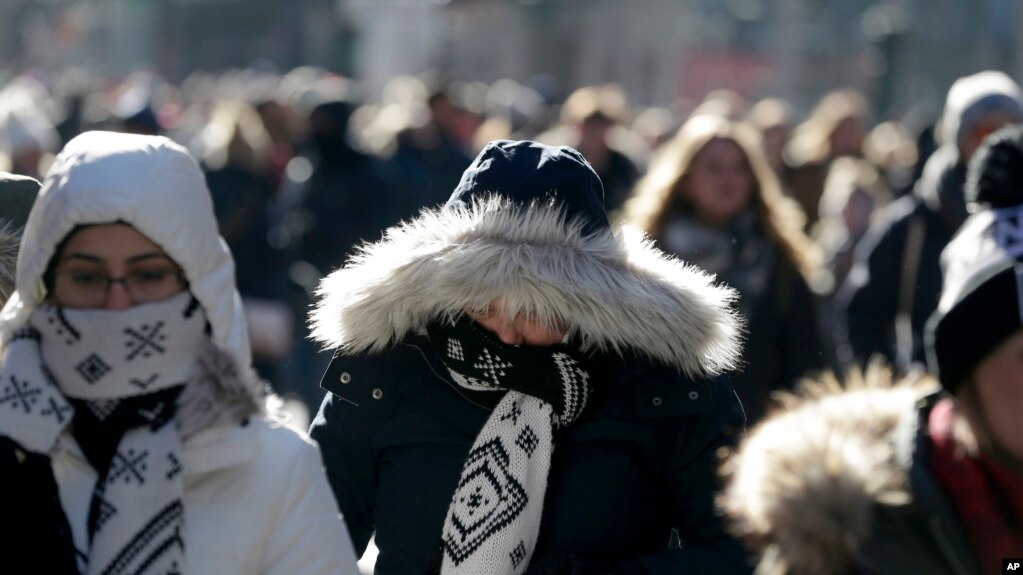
[(898, 52)]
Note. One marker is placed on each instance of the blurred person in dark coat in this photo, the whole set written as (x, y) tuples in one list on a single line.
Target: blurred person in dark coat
[(338, 197), (590, 118), (883, 479), (428, 152), (234, 149), (896, 278)]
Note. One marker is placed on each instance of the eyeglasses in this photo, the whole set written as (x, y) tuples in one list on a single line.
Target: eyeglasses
[(81, 288)]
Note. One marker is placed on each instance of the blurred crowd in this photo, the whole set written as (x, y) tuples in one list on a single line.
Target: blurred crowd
[(828, 222)]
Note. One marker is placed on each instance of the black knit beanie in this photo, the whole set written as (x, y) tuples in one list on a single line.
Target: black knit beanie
[(982, 299), (528, 172)]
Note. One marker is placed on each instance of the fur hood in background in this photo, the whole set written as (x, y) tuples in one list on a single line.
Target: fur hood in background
[(9, 241), (805, 482), (611, 290)]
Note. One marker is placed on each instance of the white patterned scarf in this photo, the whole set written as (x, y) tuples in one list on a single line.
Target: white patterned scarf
[(102, 361), (494, 517)]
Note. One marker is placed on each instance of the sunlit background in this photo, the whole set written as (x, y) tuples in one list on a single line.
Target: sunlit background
[(899, 52)]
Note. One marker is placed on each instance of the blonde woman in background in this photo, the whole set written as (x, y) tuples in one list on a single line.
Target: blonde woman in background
[(711, 198)]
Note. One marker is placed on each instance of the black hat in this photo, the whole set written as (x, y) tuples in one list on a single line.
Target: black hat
[(17, 193), (529, 172), (982, 299)]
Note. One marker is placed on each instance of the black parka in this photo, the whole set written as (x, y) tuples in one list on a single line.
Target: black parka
[(640, 462), (526, 227)]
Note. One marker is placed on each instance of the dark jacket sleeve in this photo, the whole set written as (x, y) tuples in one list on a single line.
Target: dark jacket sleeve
[(32, 516), (343, 432), (868, 301), (694, 483), (803, 350)]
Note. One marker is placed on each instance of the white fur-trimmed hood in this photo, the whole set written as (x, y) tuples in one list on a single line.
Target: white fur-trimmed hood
[(612, 291)]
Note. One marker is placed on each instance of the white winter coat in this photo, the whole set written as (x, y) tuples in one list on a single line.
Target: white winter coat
[(256, 499)]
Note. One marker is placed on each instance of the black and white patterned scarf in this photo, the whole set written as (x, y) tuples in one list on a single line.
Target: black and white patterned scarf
[(114, 376), (494, 517)]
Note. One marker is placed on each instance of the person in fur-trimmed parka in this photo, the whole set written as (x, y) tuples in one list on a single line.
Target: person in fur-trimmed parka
[(518, 389), (910, 478)]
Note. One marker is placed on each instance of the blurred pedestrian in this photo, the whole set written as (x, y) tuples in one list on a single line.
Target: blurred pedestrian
[(429, 152), (772, 117), (854, 192), (911, 479), (711, 199), (589, 118), (518, 389), (835, 128), (234, 153), (896, 278), (133, 435)]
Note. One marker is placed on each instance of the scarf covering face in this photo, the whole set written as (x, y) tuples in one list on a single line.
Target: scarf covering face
[(494, 517), (126, 369)]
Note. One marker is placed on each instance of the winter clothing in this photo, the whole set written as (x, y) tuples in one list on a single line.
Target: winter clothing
[(986, 495), (619, 175), (782, 343), (129, 395), (896, 272), (650, 331), (228, 455), (875, 479), (980, 306), (896, 279), (10, 239), (971, 97), (16, 196), (343, 202), (842, 483), (544, 388)]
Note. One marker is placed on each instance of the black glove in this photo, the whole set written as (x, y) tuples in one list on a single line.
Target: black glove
[(573, 564)]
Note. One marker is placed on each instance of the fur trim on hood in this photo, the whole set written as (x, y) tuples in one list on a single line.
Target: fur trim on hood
[(9, 242), (805, 481), (219, 393), (612, 291)]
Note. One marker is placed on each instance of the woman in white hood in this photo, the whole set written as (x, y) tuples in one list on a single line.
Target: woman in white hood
[(133, 437)]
